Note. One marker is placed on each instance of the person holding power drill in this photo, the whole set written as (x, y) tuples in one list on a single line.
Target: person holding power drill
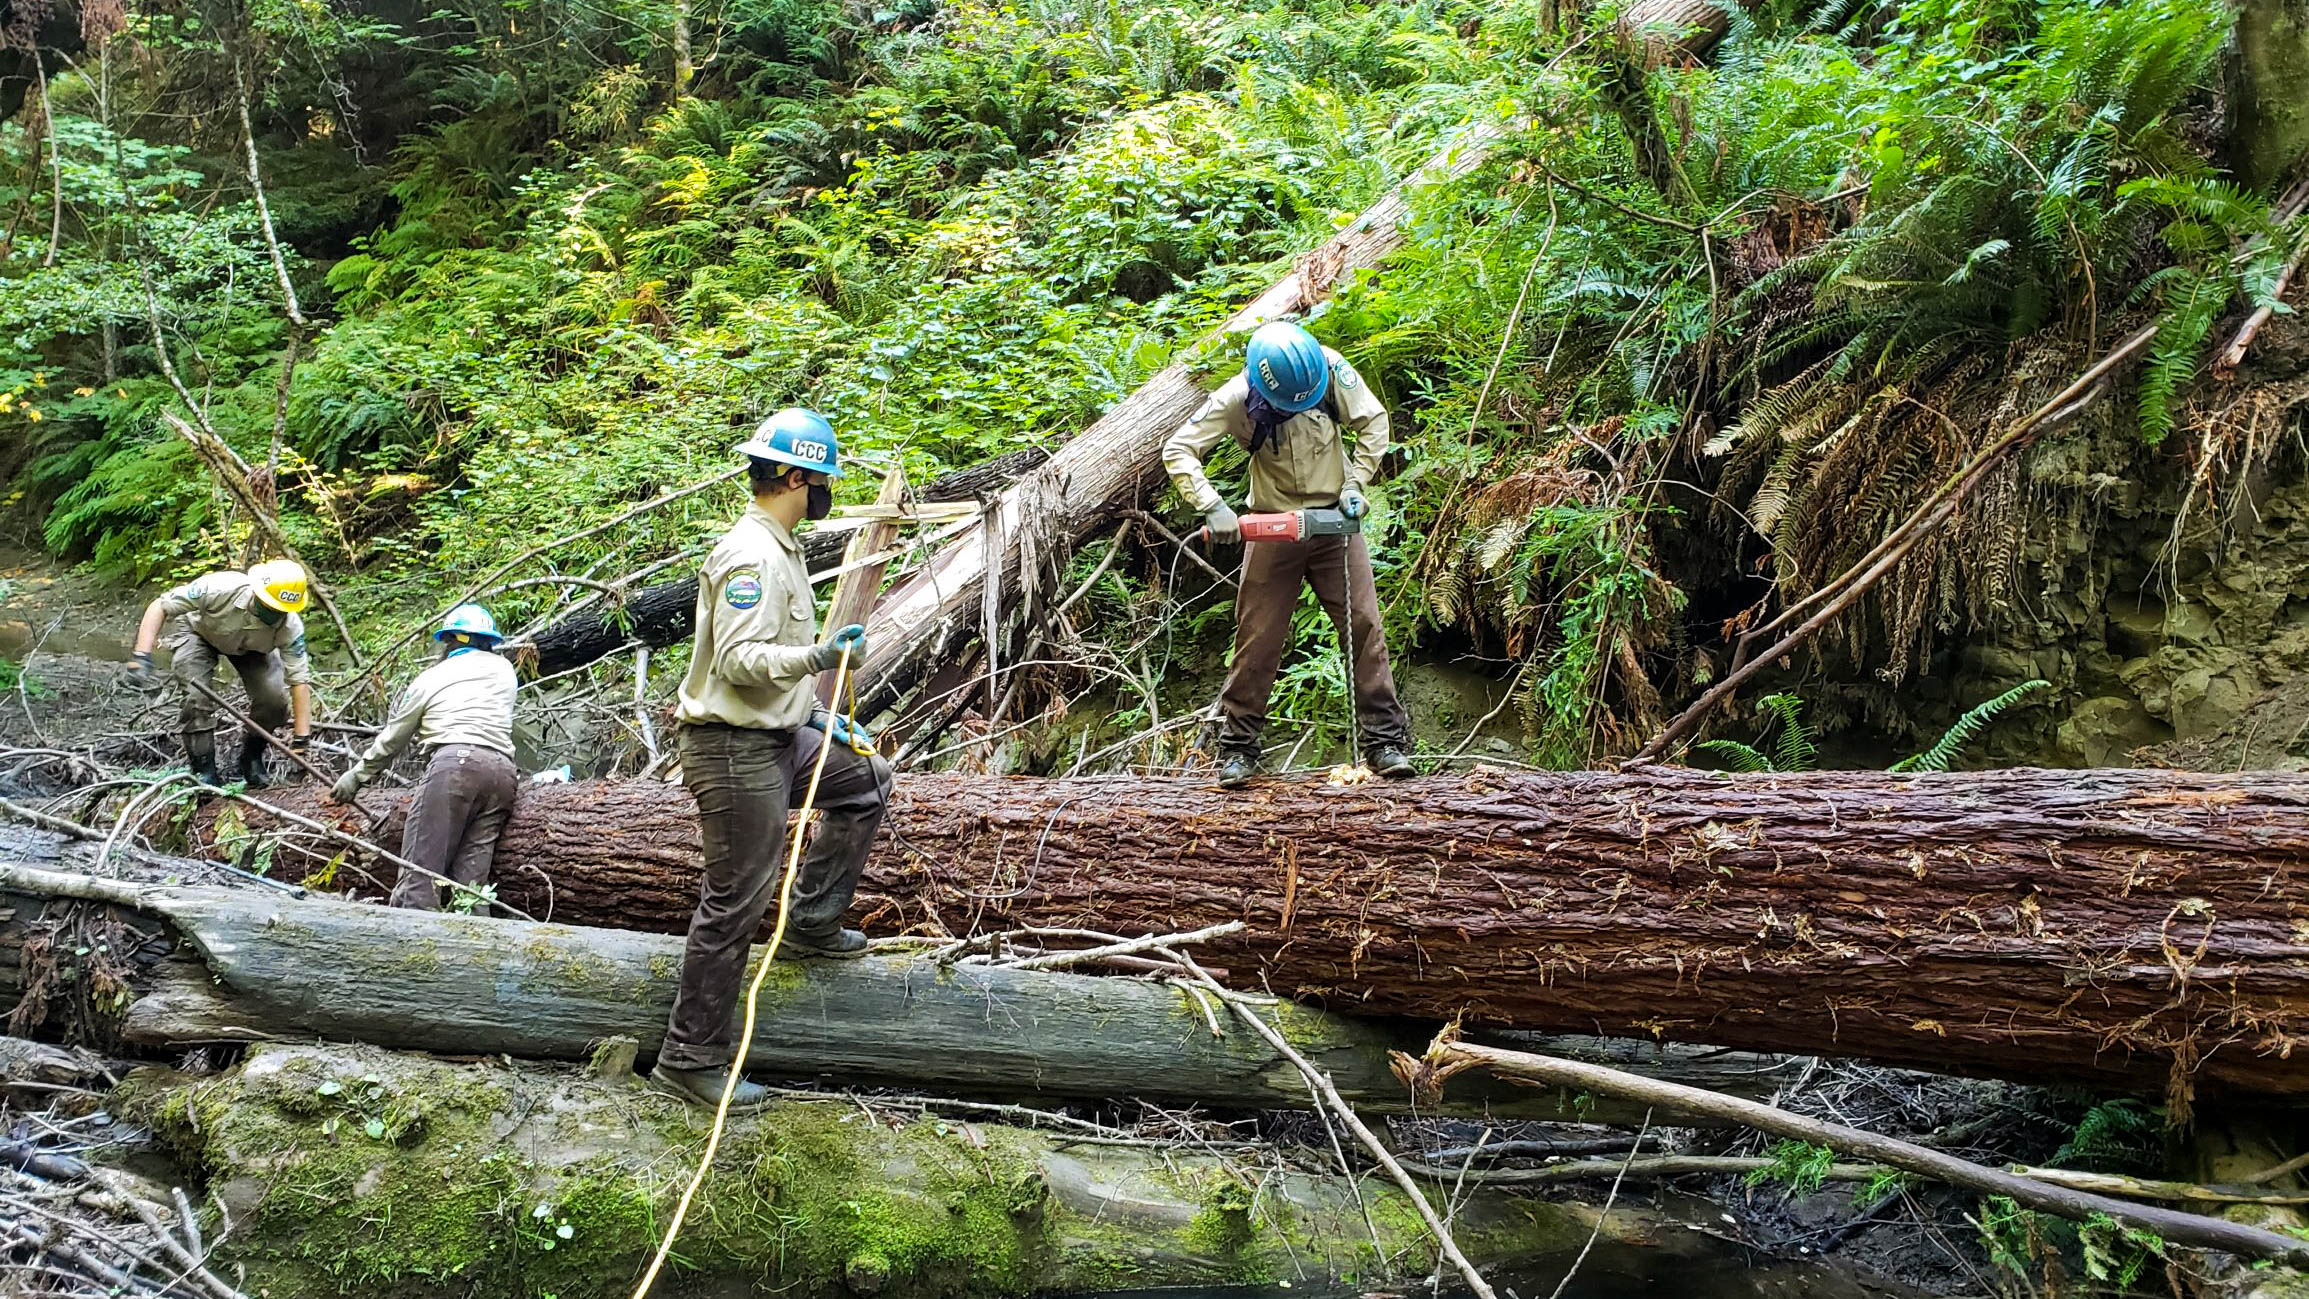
[(1293, 408), (749, 737)]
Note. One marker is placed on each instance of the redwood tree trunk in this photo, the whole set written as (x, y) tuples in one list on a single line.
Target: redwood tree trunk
[(2125, 927)]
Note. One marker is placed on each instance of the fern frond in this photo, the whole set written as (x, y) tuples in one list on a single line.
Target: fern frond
[(1945, 750), (1737, 756), (1795, 750)]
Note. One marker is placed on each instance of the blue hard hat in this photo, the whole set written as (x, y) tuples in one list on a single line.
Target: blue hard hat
[(469, 620), (1287, 367), (797, 437)]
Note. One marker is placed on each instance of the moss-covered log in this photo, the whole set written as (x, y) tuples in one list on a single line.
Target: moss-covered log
[(354, 1170), (2122, 928)]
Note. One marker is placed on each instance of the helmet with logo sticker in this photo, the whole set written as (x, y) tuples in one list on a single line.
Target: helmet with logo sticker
[(469, 624), (797, 437), (280, 584), (1286, 366)]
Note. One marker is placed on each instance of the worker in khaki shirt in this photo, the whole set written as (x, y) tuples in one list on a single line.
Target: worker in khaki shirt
[(249, 619), (1293, 408), (460, 711), (749, 735)]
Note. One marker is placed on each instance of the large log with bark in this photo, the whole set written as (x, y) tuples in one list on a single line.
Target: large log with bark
[(2128, 928)]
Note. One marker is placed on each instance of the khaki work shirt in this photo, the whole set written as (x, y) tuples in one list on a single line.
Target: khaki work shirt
[(221, 609), (1308, 466), (757, 628), (466, 698)]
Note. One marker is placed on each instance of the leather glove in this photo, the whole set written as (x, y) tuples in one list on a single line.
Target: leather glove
[(143, 677), (1353, 503), (828, 653), (1224, 527), (347, 788)]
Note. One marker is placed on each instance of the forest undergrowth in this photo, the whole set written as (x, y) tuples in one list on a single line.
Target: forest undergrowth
[(1685, 348)]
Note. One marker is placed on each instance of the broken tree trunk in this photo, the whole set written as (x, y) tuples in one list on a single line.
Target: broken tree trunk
[(1115, 462), (2124, 928), (1109, 466), (264, 966)]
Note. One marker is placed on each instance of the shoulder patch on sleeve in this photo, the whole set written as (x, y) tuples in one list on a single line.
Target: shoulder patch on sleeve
[(1347, 377), (743, 590)]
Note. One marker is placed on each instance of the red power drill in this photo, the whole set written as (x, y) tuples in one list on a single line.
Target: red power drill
[(1294, 525)]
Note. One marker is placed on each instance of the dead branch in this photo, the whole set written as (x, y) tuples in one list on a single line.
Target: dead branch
[(1448, 1055)]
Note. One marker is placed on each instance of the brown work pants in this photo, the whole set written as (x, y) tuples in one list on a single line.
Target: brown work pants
[(744, 780), (460, 808), (1339, 568), (192, 659)]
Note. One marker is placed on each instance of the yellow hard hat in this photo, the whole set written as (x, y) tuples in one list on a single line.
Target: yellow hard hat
[(280, 584)]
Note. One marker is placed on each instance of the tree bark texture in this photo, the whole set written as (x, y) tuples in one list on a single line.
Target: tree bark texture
[(2267, 126), (2136, 929)]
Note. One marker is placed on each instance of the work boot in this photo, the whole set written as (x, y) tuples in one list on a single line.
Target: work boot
[(253, 763), (704, 1087), (841, 945), (1391, 762), (200, 758), (1237, 770)]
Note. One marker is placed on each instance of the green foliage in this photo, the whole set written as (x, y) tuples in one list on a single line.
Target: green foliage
[(1799, 1166), (550, 287), (2024, 1243), (1951, 743), (2115, 1136), (1794, 750), (14, 678)]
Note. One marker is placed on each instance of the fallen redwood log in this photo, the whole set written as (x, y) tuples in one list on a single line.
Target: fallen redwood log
[(2123, 928)]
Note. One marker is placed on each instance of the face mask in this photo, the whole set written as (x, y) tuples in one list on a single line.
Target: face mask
[(267, 614), (821, 501)]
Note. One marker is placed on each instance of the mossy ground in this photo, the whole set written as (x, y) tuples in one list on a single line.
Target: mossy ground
[(357, 1171)]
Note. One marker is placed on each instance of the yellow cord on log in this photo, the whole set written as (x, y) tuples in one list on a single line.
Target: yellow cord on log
[(753, 994)]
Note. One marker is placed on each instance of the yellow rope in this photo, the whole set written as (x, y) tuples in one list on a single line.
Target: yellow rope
[(753, 993)]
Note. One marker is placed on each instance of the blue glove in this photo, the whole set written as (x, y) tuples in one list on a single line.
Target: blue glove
[(842, 729), (1353, 504), (827, 654)]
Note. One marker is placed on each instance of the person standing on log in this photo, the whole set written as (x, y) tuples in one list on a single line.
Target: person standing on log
[(460, 710), (249, 619), (749, 736), (1292, 409)]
